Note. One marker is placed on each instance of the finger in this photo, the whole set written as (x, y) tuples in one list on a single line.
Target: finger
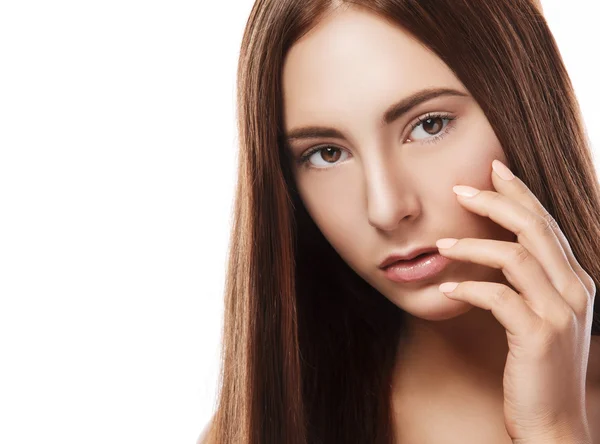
[(507, 306), (521, 193), (532, 232), (521, 269)]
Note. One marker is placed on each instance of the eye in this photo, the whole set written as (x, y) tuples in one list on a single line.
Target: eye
[(431, 127), (330, 154)]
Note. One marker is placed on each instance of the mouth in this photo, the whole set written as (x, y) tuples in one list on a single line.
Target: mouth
[(412, 261), (423, 266), (408, 258)]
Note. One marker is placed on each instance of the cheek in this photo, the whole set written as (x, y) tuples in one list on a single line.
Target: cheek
[(338, 218), (472, 148), (479, 175), (334, 219), (473, 162)]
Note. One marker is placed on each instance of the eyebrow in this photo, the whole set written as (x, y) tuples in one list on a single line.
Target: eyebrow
[(394, 112)]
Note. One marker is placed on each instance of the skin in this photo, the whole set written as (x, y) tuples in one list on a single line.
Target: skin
[(388, 188)]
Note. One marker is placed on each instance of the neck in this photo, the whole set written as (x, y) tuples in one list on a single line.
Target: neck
[(464, 354), (449, 373), (467, 352)]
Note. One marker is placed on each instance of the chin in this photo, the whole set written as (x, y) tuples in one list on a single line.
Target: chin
[(431, 305), (443, 313)]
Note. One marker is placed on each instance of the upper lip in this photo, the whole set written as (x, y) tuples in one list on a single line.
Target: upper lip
[(405, 256)]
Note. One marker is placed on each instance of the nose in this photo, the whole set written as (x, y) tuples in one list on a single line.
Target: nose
[(391, 195)]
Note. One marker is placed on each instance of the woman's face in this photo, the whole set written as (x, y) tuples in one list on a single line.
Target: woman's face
[(385, 188)]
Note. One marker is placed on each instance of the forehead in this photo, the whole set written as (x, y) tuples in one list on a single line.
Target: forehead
[(356, 61)]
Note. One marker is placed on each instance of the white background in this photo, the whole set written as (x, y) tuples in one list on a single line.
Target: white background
[(117, 168)]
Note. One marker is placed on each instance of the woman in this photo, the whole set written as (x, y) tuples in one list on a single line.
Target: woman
[(357, 120)]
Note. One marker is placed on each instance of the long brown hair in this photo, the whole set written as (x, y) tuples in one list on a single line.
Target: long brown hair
[(308, 345)]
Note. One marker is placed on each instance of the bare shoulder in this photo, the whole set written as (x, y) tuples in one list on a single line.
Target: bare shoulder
[(203, 438)]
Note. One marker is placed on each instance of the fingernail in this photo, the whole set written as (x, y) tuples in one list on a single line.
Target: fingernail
[(502, 170), (464, 190), (447, 287), (446, 242)]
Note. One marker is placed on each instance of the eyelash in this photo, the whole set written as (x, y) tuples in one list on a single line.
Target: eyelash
[(303, 160)]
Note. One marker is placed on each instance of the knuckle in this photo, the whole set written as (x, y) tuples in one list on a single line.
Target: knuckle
[(495, 196), (551, 221), (589, 284), (581, 310), (520, 254), (581, 303), (574, 285), (566, 320), (501, 294), (546, 224)]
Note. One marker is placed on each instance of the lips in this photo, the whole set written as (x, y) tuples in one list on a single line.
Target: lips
[(411, 255), (423, 267), (417, 257), (413, 259)]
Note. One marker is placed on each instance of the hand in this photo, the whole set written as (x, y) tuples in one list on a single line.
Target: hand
[(548, 322)]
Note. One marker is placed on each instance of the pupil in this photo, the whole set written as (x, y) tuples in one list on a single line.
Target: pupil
[(431, 122)]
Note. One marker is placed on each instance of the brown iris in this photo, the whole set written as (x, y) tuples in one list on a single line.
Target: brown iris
[(327, 151), (432, 125)]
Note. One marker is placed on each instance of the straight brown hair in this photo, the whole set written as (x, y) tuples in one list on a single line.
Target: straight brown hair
[(308, 346)]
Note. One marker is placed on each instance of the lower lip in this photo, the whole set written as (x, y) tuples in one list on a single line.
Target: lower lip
[(424, 267)]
